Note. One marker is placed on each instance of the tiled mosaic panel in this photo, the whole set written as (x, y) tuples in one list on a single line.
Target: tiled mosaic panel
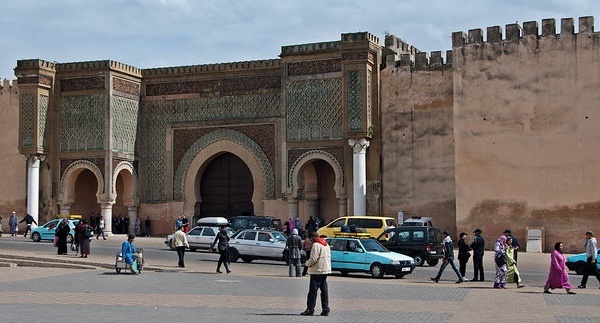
[(28, 117), (124, 123), (355, 100), (82, 119), (42, 125), (369, 105), (314, 109), (161, 113), (233, 136)]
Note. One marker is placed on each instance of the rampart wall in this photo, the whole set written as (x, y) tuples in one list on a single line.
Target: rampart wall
[(13, 185), (417, 123), (526, 130)]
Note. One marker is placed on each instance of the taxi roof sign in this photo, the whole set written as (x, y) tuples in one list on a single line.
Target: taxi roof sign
[(70, 216)]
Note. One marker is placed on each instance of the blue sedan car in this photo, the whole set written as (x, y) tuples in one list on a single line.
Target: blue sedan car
[(578, 262), (367, 255), (46, 231)]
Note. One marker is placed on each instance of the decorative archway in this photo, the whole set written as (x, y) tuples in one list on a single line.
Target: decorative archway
[(201, 152), (129, 176), (310, 156), (69, 177)]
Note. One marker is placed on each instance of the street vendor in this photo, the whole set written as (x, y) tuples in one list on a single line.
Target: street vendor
[(129, 253)]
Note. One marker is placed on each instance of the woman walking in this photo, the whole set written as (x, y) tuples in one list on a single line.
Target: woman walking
[(558, 276), (500, 262), (84, 238), (511, 264), (61, 234)]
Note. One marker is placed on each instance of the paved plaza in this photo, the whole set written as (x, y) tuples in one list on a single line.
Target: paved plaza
[(263, 292)]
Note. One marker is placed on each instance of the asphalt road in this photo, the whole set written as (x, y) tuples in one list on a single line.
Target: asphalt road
[(533, 270)]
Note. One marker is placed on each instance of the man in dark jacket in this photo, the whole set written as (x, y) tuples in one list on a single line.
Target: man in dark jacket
[(478, 246), (28, 219), (448, 259)]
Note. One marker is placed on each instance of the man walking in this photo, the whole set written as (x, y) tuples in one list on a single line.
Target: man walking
[(28, 219), (13, 222), (293, 244), (591, 252), (180, 242), (222, 242), (448, 259), (319, 266), (478, 246)]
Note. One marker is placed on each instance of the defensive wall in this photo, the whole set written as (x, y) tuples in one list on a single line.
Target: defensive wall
[(526, 129), (13, 165)]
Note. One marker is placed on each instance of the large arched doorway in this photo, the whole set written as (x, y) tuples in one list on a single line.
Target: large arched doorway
[(226, 188), (86, 187)]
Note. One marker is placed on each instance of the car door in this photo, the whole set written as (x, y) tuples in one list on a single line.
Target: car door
[(337, 247), (207, 237), (47, 232), (194, 237), (245, 242), (266, 245), (354, 255)]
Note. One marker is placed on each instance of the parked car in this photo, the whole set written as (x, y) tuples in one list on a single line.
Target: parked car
[(577, 262), (418, 221), (253, 244), (199, 237), (367, 255), (46, 231), (374, 225), (255, 221), (422, 243)]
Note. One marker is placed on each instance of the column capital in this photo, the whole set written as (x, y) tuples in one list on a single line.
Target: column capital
[(34, 157), (359, 146)]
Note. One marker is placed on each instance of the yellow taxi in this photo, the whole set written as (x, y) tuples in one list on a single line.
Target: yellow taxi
[(357, 225)]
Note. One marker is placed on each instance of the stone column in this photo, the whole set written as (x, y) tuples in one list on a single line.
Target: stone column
[(292, 208), (359, 167), (313, 208), (65, 209), (106, 211), (343, 205), (33, 185), (132, 215)]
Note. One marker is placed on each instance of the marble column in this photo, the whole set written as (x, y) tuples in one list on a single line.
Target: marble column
[(106, 211), (132, 215), (359, 167), (33, 185)]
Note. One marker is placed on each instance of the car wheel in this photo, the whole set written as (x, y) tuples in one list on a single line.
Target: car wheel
[(400, 276), (580, 268), (234, 255), (247, 259), (118, 270), (69, 238), (418, 260), (36, 237), (432, 262), (344, 272), (376, 270)]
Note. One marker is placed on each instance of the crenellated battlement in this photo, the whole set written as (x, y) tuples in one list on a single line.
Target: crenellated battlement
[(104, 64), (36, 63), (401, 54), (351, 37), (7, 85), (529, 29), (310, 48), (232, 66)]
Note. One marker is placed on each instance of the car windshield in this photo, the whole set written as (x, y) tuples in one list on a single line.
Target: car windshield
[(373, 245), (279, 236)]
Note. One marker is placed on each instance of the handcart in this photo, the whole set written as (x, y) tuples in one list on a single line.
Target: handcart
[(121, 264)]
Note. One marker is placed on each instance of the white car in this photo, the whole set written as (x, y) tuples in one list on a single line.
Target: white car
[(253, 244), (199, 237)]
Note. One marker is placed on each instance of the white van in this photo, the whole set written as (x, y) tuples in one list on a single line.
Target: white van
[(212, 221), (418, 221)]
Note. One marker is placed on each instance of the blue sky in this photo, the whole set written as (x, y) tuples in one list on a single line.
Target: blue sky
[(155, 33)]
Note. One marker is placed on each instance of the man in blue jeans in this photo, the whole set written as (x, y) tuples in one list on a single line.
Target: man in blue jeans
[(448, 259)]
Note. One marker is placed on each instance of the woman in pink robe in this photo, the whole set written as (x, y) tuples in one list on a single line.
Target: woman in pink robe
[(558, 276)]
